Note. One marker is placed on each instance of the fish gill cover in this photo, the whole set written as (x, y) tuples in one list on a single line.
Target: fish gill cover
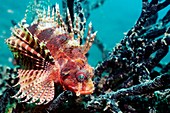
[(51, 74)]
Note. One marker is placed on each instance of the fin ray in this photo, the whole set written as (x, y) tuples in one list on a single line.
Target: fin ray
[(28, 47), (34, 86)]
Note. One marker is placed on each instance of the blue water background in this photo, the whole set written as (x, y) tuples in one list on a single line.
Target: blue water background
[(111, 20)]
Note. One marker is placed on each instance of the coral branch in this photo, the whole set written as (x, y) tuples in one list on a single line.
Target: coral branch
[(149, 87), (61, 99)]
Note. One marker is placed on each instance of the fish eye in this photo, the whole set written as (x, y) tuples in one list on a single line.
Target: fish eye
[(80, 76)]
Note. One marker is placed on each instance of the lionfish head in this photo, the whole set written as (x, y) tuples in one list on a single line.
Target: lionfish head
[(76, 79)]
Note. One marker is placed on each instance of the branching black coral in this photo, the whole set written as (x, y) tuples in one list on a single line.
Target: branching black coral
[(149, 87), (131, 62)]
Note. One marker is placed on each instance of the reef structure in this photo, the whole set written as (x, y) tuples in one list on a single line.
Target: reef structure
[(131, 74)]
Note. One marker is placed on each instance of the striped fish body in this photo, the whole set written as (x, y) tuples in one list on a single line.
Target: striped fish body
[(47, 53)]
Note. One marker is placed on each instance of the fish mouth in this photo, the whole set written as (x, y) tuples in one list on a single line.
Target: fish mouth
[(81, 91), (83, 88)]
